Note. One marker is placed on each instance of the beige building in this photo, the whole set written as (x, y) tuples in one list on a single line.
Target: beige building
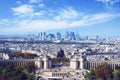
[(41, 62), (19, 62), (79, 62)]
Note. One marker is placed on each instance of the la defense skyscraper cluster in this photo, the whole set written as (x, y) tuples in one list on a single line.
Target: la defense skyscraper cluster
[(62, 36)]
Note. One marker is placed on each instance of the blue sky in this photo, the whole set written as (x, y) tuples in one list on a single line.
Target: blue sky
[(87, 17)]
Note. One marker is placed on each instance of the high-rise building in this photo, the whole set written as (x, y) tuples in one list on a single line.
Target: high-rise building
[(67, 36), (86, 38), (72, 36), (44, 36), (40, 35), (58, 36), (51, 36), (97, 37), (77, 36)]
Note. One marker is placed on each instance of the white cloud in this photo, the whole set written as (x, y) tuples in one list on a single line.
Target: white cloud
[(41, 5), (3, 21), (68, 13), (27, 11), (95, 19), (110, 5), (35, 1), (104, 1), (44, 25), (39, 13), (61, 18), (109, 2), (36, 26), (23, 9), (18, 2)]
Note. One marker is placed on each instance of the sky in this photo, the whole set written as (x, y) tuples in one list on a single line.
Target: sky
[(87, 17)]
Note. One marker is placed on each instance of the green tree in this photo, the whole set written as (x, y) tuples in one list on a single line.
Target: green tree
[(1, 69), (30, 77), (87, 76), (30, 67), (92, 74), (4, 71), (116, 75), (18, 69)]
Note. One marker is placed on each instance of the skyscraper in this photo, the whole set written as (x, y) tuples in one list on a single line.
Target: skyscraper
[(67, 36), (58, 36), (72, 36), (44, 36)]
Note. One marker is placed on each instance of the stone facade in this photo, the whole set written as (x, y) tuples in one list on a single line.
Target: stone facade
[(80, 62)]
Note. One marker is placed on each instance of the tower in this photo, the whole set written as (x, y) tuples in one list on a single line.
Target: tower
[(38, 62), (77, 62), (43, 62), (47, 62)]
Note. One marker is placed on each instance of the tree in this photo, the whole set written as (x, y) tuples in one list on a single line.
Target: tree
[(30, 77), (116, 75), (30, 66), (16, 73), (87, 76), (104, 72), (23, 76), (1, 69), (4, 71), (92, 74), (3, 77), (108, 74), (99, 72)]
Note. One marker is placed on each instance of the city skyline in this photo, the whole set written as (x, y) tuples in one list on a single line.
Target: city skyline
[(90, 17)]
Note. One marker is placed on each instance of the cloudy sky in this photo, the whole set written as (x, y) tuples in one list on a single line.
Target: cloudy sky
[(88, 17)]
